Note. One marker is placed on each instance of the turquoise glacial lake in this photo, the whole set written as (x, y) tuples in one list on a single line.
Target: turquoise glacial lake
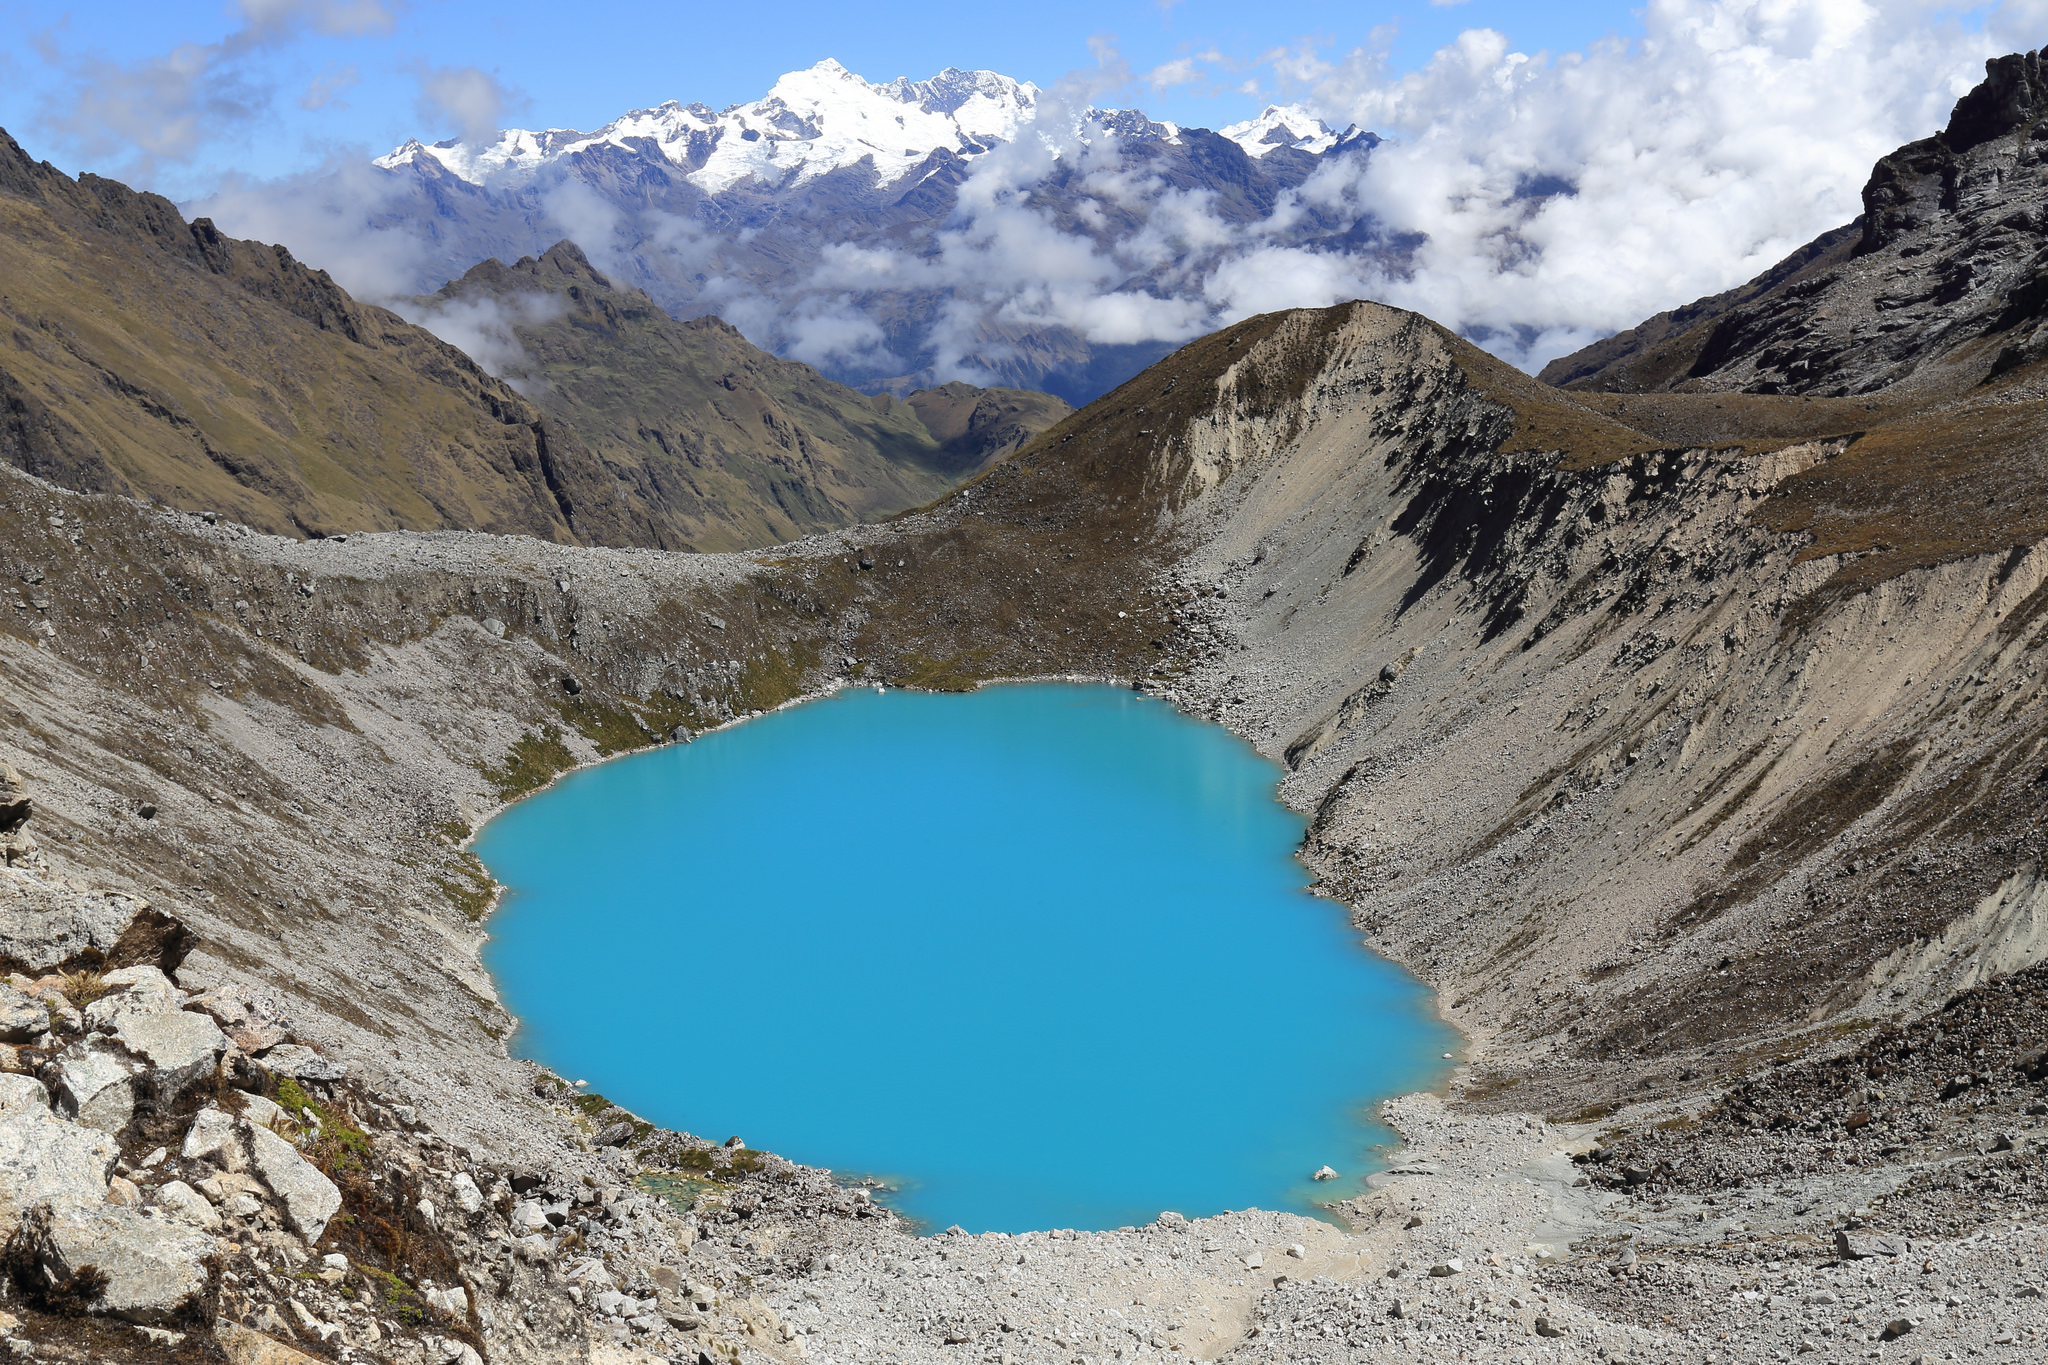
[(1037, 956)]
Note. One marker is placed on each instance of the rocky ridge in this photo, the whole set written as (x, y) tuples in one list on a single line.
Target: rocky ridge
[(1934, 289)]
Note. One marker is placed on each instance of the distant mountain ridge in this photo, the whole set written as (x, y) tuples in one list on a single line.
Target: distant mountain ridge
[(818, 219)]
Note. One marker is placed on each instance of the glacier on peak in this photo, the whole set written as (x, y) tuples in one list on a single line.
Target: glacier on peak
[(1282, 125), (811, 122)]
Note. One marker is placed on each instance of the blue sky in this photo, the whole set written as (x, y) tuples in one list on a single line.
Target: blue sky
[(177, 94)]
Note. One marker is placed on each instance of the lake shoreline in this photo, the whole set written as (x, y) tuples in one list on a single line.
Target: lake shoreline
[(1362, 1148)]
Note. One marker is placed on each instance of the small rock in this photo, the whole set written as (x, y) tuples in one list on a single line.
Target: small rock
[(21, 1019), (528, 1217), (454, 1301), (1297, 1251), (1895, 1329), (1454, 1266), (1545, 1329), (1324, 1173), (1414, 1221), (1407, 1309), (495, 627), (1861, 1246), (1254, 1260), (121, 1191), (262, 1111), (573, 686), (181, 1201), (302, 1063), (214, 1136), (468, 1197)]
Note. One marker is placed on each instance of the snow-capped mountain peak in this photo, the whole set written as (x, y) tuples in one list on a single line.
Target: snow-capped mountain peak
[(1282, 125), (812, 122)]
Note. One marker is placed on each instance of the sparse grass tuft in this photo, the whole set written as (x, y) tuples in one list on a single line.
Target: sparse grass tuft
[(535, 759), (961, 673), (82, 988), (342, 1148)]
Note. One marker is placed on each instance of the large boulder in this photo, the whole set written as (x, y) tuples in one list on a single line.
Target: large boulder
[(44, 925), (143, 1052), (308, 1196), (43, 1158), (154, 1267), (232, 1142), (179, 1047)]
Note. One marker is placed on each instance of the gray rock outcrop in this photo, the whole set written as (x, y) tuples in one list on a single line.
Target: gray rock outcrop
[(43, 1160), (310, 1199), (96, 1084), (154, 1268), (302, 1063)]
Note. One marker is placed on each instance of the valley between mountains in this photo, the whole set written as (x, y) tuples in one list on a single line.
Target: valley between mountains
[(1681, 722)]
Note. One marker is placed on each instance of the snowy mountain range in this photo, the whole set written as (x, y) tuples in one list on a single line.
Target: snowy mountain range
[(897, 234), (827, 119)]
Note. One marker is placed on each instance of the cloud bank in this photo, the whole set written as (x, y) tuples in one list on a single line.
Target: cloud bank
[(1532, 201), (165, 108)]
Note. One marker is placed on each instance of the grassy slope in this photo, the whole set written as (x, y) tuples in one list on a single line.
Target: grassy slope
[(137, 362), (716, 443)]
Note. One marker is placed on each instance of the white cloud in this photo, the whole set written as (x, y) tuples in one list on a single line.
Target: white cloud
[(1563, 197), (471, 98), (325, 90), (1533, 201), (166, 107), (335, 218), (482, 328), (1547, 199)]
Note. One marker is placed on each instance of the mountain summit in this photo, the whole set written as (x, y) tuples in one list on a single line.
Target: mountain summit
[(811, 123)]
